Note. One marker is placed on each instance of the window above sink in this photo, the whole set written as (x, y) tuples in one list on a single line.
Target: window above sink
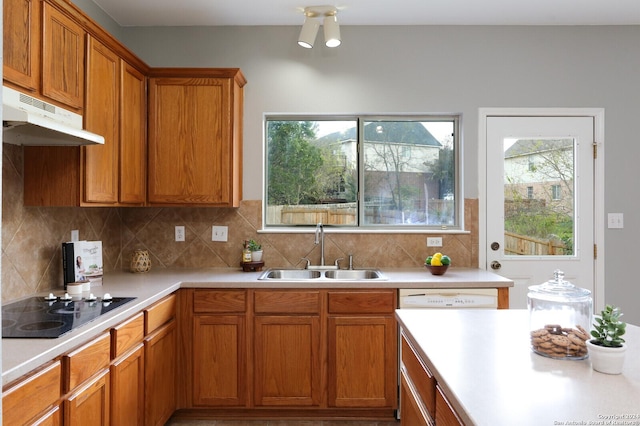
[(363, 172)]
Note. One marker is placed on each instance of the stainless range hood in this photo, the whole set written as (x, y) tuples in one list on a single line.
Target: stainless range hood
[(29, 121)]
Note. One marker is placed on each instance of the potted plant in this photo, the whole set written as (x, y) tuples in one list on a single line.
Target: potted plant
[(607, 348), (256, 251)]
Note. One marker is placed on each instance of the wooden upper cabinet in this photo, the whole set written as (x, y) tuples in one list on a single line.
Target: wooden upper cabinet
[(195, 137), (101, 116), (21, 38), (133, 135), (62, 58)]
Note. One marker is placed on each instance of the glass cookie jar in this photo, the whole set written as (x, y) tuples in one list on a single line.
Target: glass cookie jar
[(559, 318)]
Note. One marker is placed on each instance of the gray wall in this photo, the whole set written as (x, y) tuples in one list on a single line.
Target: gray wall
[(436, 69)]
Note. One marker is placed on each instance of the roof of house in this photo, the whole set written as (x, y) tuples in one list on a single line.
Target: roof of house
[(412, 133), (532, 146)]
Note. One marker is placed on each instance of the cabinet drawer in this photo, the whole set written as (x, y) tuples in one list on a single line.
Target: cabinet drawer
[(420, 376), (126, 335), (85, 361), (219, 301), (160, 313), (285, 301), (32, 396), (362, 302), (445, 414)]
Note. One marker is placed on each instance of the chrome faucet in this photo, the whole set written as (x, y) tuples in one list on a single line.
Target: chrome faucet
[(320, 239)]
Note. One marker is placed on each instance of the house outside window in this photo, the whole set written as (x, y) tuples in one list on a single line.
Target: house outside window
[(530, 192), (362, 172), (556, 192)]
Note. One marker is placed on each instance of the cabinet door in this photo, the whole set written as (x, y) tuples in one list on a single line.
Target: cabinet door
[(160, 375), (363, 360), (445, 414), (127, 389), (412, 413), (62, 58), (21, 38), (100, 162), (32, 395), (287, 361), (190, 141), (219, 361), (133, 135), (88, 405)]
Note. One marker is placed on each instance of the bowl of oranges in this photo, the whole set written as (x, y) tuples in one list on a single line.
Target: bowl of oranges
[(438, 263)]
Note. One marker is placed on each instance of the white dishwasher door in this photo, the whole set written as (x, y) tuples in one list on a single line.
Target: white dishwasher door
[(460, 298)]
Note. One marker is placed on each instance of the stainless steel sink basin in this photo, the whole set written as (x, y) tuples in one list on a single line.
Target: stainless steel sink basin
[(354, 274), (318, 274), (290, 274)]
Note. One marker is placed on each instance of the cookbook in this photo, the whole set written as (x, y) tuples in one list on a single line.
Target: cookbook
[(82, 261)]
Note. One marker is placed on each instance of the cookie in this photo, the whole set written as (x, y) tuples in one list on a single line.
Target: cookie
[(539, 333), (560, 340), (581, 332), (576, 340)]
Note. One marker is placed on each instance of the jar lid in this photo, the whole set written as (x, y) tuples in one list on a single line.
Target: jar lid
[(559, 289)]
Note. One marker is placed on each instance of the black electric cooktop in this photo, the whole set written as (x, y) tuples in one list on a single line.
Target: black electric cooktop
[(39, 317)]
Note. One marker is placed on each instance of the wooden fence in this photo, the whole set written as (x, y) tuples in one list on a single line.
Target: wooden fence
[(524, 245), (345, 214), (329, 214)]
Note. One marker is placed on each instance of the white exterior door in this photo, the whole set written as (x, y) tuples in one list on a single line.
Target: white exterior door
[(540, 200)]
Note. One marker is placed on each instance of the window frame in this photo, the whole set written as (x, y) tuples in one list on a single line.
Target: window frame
[(360, 119)]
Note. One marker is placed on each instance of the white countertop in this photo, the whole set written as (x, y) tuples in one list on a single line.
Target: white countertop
[(20, 356), (483, 362)]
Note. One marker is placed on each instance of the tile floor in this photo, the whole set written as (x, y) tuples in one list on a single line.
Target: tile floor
[(279, 423)]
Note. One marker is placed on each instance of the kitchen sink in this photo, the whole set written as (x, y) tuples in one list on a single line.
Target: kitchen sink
[(315, 274), (354, 274), (290, 274)]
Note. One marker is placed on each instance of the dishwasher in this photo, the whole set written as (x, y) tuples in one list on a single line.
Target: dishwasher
[(442, 298)]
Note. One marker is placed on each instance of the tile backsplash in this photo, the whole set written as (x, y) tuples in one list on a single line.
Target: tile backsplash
[(32, 238)]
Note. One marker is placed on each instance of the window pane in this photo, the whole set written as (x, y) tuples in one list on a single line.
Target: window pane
[(311, 172), (538, 197), (409, 173)]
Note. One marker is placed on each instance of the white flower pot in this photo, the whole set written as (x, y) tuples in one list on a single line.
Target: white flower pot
[(256, 256), (606, 360)]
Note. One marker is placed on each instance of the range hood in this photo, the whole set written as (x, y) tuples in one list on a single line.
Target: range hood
[(29, 121)]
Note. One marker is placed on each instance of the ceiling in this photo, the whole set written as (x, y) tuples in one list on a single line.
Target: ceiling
[(374, 12)]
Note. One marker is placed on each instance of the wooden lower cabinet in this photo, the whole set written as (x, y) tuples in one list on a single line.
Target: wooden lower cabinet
[(422, 401), (289, 352), (445, 413), (88, 405), (362, 349), (35, 399), (287, 361), (160, 374), (219, 361), (412, 412), (127, 388)]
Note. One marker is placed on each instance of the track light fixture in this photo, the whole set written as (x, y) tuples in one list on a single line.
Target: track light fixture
[(310, 27)]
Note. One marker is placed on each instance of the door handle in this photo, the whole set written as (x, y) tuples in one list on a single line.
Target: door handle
[(495, 265)]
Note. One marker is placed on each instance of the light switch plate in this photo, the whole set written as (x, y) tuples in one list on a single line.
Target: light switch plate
[(219, 233), (75, 235), (615, 220)]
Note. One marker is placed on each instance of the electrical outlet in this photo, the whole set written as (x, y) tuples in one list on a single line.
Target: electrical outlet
[(219, 233), (75, 235), (179, 233), (434, 241)]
